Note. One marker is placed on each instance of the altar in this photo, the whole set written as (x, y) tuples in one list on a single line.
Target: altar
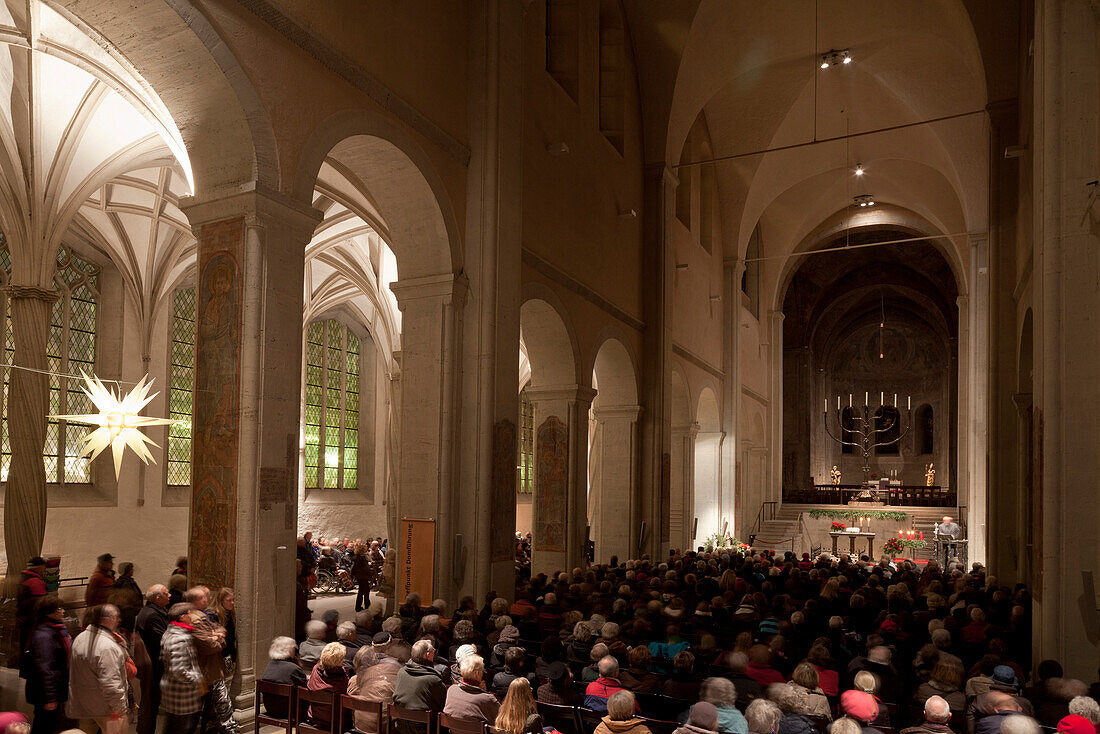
[(852, 541)]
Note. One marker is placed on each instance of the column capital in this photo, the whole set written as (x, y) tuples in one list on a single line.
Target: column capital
[(448, 288), (617, 412), (257, 205), (14, 292), (577, 393), (962, 302), (776, 316)]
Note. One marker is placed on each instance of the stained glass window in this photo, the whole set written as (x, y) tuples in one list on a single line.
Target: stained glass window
[(181, 386), (526, 443), (331, 406)]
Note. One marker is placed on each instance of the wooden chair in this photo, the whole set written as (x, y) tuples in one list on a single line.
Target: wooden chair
[(319, 701), (589, 719), (821, 722), (459, 726), (349, 705), (415, 717), (286, 691), (563, 718), (661, 727)]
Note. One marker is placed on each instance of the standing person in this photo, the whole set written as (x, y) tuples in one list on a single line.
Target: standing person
[(182, 687), (209, 637), (150, 625), (32, 588), (126, 595), (181, 567), (97, 675), (101, 581), (224, 605), (364, 575), (46, 665)]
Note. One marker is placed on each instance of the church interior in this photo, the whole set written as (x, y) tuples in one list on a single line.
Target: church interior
[(604, 279)]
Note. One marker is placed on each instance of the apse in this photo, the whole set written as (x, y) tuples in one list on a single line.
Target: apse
[(873, 326)]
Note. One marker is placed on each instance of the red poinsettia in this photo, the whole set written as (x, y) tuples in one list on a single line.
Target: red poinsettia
[(837, 526)]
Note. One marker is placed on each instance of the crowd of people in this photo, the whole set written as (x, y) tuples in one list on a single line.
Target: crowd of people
[(706, 642), (721, 642), (175, 645)]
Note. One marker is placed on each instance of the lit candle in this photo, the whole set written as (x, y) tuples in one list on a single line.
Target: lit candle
[(826, 406), (866, 398), (895, 400), (908, 402), (882, 398), (838, 402), (922, 536)]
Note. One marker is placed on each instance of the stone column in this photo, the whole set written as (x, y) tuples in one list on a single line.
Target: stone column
[(244, 508), (431, 315), (618, 457), (560, 512), (1066, 301), (962, 434), (28, 405), (773, 490), (659, 207), (978, 414), (731, 385), (682, 510)]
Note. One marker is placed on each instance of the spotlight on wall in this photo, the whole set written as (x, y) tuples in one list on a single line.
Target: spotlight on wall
[(716, 298), (834, 56), (628, 214), (859, 169), (864, 200), (683, 266), (557, 149)]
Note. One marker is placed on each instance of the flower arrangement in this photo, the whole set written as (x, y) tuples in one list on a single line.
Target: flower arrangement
[(716, 541), (897, 546), (837, 527), (849, 514)]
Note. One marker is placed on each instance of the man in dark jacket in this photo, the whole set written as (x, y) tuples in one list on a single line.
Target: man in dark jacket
[(282, 668), (419, 686), (32, 587), (937, 714), (46, 665), (995, 706), (748, 690), (150, 624)]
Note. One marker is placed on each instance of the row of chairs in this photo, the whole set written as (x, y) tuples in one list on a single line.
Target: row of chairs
[(580, 720)]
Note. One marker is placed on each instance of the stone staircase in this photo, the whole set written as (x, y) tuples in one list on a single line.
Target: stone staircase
[(783, 533)]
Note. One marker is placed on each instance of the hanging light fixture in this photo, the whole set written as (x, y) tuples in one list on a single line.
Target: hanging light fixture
[(118, 420)]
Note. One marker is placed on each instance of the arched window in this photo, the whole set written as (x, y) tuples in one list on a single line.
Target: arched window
[(846, 432), (925, 428), (563, 44), (181, 386), (888, 428), (332, 406), (526, 483)]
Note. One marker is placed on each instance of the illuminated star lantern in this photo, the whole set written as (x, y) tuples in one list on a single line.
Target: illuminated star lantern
[(118, 420)]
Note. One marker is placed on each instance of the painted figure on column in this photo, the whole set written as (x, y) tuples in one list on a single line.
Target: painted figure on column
[(552, 484), (217, 401)]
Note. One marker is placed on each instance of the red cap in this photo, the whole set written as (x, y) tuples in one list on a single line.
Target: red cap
[(1075, 724), (862, 706)]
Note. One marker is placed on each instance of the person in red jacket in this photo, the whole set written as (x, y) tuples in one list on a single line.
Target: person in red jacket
[(101, 581), (32, 587)]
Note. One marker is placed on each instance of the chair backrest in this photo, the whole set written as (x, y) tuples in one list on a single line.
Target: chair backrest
[(417, 717), (657, 726), (821, 722), (459, 726), (563, 718), (287, 692), (319, 701), (350, 704), (589, 719)]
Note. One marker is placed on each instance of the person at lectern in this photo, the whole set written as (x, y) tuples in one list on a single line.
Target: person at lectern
[(950, 527)]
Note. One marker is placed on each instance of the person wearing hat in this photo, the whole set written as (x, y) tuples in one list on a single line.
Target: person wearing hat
[(558, 689), (862, 707), (1076, 724), (101, 581), (702, 718), (32, 587)]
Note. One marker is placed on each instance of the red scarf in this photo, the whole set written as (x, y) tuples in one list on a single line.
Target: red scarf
[(184, 625)]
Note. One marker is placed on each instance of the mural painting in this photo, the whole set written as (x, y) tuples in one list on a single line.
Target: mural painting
[(551, 484), (215, 431)]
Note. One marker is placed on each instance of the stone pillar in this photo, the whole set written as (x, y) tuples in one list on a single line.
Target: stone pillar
[(657, 260), (28, 405), (731, 385), (978, 413), (682, 509), (431, 315), (773, 490), (962, 433), (618, 457), (1066, 302), (560, 512), (244, 508)]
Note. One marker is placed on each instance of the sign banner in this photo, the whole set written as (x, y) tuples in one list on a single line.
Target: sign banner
[(416, 559)]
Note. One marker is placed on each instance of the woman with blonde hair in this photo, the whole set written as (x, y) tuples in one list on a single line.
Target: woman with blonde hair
[(518, 714), (620, 718)]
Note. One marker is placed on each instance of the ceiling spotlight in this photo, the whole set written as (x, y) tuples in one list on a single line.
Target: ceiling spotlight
[(864, 200), (834, 57), (859, 169)]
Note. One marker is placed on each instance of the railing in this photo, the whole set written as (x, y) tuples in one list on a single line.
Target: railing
[(766, 512), (909, 495), (803, 534)]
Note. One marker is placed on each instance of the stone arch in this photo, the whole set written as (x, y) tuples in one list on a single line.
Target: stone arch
[(712, 508), (214, 94), (613, 496), (550, 344), (385, 161)]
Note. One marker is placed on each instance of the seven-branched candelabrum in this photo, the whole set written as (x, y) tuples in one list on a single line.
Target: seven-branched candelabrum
[(870, 428)]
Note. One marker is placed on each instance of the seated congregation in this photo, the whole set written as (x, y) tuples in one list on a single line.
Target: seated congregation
[(704, 642)]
